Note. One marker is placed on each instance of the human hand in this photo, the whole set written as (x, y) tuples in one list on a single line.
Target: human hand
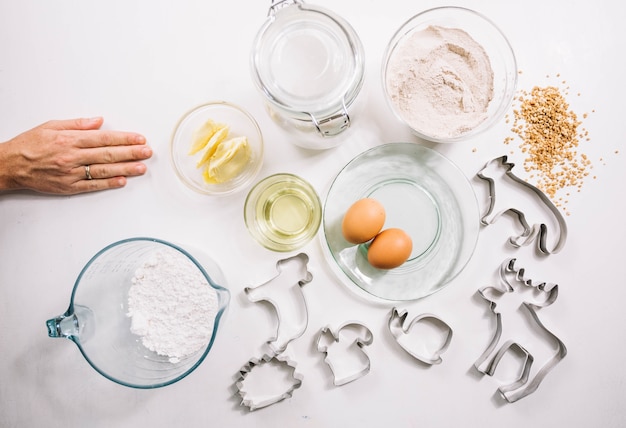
[(71, 156)]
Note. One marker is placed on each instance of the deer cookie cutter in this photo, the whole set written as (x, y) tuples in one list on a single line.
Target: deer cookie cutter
[(502, 170), (504, 339), (401, 331), (344, 352), (284, 293)]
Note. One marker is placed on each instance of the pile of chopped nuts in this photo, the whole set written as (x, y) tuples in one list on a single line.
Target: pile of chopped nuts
[(550, 136)]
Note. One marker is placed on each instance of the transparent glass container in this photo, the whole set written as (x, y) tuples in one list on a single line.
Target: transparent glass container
[(308, 63), (424, 194)]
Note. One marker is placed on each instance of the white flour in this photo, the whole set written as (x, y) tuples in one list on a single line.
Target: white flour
[(171, 305), (441, 81)]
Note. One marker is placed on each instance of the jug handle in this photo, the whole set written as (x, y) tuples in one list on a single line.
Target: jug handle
[(77, 322)]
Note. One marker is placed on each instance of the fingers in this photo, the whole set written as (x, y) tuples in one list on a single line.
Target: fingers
[(75, 124), (114, 155), (94, 185), (107, 171), (98, 138), (90, 134)]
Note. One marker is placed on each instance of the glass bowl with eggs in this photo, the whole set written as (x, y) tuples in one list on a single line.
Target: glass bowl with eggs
[(449, 73), (400, 221), (217, 148)]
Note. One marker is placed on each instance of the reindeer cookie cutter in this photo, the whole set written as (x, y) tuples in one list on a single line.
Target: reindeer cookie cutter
[(351, 362), (400, 330), (539, 230), (513, 280)]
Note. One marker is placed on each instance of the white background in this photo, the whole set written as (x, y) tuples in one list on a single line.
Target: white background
[(141, 65)]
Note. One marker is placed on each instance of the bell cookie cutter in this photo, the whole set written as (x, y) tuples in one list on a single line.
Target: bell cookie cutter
[(283, 363), (502, 170), (504, 339), (344, 351), (402, 333), (284, 293)]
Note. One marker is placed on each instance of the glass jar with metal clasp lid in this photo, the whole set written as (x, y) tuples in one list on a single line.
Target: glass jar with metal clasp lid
[(308, 63)]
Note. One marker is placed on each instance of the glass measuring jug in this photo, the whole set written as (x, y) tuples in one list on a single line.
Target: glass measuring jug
[(98, 320), (308, 63)]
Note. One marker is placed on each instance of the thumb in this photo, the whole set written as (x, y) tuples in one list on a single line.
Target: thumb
[(75, 124)]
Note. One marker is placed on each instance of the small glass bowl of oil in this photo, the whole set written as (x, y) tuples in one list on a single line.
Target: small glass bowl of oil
[(283, 212)]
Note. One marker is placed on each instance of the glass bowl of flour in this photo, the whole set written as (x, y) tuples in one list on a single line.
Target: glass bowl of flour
[(144, 312), (449, 73)]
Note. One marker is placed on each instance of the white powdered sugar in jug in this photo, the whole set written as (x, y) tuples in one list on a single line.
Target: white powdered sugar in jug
[(171, 305)]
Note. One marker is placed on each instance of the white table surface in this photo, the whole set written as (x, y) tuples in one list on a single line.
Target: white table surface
[(141, 65)]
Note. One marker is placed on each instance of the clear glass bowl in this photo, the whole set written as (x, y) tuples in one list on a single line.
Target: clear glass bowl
[(485, 33), (424, 194), (283, 212), (241, 123)]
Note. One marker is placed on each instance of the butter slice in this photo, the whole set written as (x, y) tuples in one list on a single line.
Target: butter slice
[(213, 143), (202, 135), (228, 160)]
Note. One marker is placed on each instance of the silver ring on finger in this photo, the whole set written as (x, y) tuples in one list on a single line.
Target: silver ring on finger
[(88, 172)]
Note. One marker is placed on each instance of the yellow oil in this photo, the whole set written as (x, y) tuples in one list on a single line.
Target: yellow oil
[(287, 214), (283, 212)]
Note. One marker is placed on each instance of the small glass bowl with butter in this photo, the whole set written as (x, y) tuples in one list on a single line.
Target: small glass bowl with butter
[(217, 148)]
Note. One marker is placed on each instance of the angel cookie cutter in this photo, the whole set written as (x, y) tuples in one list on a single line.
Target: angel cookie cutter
[(500, 178), (507, 334), (402, 332), (284, 293), (344, 351)]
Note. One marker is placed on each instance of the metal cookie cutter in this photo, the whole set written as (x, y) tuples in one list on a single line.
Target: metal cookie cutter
[(245, 384), (402, 333), (284, 293), (550, 347), (344, 351), (500, 169)]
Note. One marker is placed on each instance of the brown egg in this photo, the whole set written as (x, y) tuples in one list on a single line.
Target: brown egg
[(363, 220), (389, 249)]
